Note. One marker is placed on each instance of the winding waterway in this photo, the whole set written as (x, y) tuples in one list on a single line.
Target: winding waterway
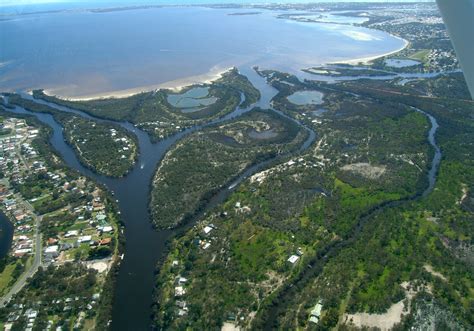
[(145, 245), (283, 298)]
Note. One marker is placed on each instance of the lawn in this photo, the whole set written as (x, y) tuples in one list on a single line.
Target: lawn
[(5, 277), (420, 55)]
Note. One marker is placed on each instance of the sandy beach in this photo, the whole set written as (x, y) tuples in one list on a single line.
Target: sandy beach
[(366, 60), (174, 85)]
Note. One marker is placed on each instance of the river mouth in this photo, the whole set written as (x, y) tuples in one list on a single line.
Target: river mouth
[(144, 245), (162, 52)]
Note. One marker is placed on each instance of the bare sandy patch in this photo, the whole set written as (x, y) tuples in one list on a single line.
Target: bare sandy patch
[(382, 321), (366, 170), (230, 327), (100, 266), (464, 194), (387, 320), (430, 269)]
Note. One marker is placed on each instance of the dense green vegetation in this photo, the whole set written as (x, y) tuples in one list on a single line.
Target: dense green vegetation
[(423, 243), (204, 162), (10, 269), (106, 148), (344, 70), (151, 111), (454, 83), (369, 152)]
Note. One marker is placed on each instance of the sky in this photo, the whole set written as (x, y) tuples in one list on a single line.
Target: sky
[(34, 2)]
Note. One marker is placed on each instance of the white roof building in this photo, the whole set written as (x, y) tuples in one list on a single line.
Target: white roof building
[(207, 229), (84, 239), (71, 233), (292, 259), (179, 291), (52, 249)]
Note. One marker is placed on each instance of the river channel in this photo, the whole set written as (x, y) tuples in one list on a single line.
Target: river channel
[(144, 244)]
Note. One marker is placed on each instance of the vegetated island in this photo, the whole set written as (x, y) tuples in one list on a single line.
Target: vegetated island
[(201, 164), (153, 113)]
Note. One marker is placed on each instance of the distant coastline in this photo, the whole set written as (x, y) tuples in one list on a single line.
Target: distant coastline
[(86, 79)]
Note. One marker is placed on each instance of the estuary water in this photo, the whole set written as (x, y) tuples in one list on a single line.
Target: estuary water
[(6, 234), (145, 245), (84, 53)]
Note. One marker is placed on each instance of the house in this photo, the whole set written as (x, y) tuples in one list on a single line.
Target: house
[(66, 246), (314, 320), (84, 239), (52, 251), (105, 241), (106, 228), (207, 229), (30, 313), (21, 252), (316, 313), (179, 291), (101, 217), (71, 233), (181, 304), (292, 259)]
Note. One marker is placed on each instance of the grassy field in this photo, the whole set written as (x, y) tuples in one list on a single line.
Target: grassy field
[(6, 277), (421, 55)]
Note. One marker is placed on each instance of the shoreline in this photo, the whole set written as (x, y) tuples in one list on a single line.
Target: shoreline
[(173, 85), (207, 78), (366, 60)]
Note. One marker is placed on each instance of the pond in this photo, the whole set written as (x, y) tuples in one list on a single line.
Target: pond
[(319, 112), (302, 98), (268, 134), (401, 63), (192, 100)]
